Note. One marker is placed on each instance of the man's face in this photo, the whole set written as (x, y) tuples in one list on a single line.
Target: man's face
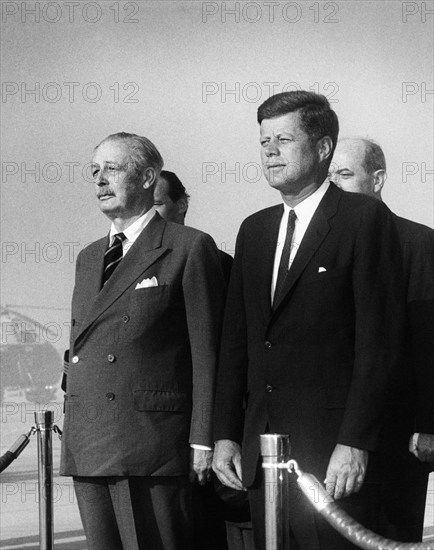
[(347, 170), (119, 190), (289, 156), (165, 206)]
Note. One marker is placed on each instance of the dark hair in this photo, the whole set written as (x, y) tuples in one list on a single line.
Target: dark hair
[(176, 190), (143, 153), (316, 116)]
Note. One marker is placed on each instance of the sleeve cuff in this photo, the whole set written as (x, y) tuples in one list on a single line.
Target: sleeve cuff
[(200, 447)]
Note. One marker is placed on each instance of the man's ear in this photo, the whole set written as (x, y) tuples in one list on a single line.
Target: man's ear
[(379, 177), (324, 148), (149, 177), (182, 205)]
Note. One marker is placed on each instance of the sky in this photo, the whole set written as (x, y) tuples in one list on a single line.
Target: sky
[(190, 77)]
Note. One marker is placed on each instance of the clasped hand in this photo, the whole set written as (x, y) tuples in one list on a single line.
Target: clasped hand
[(227, 464), (200, 465)]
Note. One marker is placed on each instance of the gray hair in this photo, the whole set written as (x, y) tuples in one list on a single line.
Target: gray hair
[(143, 153)]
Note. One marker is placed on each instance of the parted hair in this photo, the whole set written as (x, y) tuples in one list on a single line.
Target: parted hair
[(143, 153), (317, 117)]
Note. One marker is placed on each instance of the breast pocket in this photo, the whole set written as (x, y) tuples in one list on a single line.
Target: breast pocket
[(150, 298), (160, 401), (149, 311), (323, 277)]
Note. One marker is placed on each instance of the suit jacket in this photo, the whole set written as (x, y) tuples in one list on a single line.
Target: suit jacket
[(226, 262), (141, 377), (316, 366), (417, 242)]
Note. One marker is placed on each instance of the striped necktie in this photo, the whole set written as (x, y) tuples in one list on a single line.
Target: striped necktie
[(284, 260), (112, 257)]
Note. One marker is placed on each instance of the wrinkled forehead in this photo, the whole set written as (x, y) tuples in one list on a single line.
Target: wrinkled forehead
[(111, 152)]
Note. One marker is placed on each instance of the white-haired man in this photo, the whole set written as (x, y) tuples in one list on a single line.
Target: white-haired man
[(359, 166), (146, 314)]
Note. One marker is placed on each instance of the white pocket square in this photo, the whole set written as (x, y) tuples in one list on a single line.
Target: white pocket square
[(146, 283), (321, 269)]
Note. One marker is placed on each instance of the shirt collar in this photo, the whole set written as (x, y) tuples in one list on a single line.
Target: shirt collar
[(306, 208), (133, 231)]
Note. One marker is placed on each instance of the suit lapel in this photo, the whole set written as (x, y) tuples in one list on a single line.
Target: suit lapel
[(143, 253), (315, 234), (88, 286), (94, 266)]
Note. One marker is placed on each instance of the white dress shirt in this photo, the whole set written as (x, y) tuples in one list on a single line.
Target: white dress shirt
[(304, 212), (133, 231)]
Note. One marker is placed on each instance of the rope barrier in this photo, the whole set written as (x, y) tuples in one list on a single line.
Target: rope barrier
[(275, 450), (44, 428), (343, 522), (16, 449)]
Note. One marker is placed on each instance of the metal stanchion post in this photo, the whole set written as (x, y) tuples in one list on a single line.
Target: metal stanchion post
[(44, 428), (275, 449)]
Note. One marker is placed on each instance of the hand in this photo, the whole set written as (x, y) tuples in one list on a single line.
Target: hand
[(422, 446), (200, 465), (227, 463), (346, 471)]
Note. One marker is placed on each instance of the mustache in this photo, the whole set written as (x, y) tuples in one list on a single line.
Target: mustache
[(104, 192)]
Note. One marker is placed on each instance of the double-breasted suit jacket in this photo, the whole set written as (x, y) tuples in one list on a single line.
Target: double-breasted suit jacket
[(141, 376), (316, 366)]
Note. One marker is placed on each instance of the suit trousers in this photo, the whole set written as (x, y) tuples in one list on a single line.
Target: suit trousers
[(403, 497), (135, 513)]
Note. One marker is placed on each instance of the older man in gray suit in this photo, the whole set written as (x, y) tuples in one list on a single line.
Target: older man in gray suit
[(146, 315)]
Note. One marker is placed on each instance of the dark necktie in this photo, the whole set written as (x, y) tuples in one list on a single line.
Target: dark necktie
[(112, 257), (284, 260)]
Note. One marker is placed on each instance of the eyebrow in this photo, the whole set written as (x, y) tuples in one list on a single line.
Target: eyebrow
[(339, 170), (279, 134), (111, 162)]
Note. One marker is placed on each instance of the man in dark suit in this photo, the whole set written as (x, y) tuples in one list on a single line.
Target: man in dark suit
[(146, 315), (171, 201), (359, 166), (312, 327)]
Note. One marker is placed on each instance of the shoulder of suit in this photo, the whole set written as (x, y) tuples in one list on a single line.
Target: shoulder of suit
[(411, 231), (184, 232), (264, 214), (91, 249), (354, 203), (360, 200), (225, 257)]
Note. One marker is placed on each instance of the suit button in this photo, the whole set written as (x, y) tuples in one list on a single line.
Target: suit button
[(267, 344), (110, 396), (111, 358), (125, 318), (75, 359), (269, 388)]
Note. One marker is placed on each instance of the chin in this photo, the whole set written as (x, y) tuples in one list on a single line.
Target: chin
[(279, 185)]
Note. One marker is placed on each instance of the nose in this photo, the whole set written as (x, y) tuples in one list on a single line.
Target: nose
[(271, 148), (100, 179)]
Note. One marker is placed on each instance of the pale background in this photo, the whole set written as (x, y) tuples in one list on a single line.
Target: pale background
[(179, 61)]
